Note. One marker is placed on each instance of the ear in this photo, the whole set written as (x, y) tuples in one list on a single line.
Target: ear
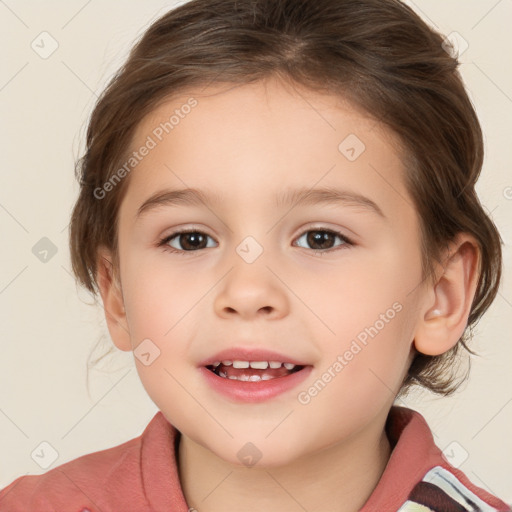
[(113, 302), (445, 317)]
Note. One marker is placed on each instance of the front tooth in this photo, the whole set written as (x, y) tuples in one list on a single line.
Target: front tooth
[(289, 366), (240, 364), (266, 377), (254, 378), (227, 363), (259, 365), (275, 364)]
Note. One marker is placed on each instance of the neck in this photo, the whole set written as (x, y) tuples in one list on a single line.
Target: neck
[(339, 478)]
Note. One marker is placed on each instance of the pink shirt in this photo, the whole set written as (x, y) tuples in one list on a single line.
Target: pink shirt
[(141, 475)]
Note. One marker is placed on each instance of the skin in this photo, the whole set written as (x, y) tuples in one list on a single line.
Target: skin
[(247, 143)]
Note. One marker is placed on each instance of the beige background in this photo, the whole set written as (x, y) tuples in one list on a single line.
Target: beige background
[(48, 327)]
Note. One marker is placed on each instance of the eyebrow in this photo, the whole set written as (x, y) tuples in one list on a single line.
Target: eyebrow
[(289, 197)]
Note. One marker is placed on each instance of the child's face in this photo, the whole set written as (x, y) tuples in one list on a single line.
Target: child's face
[(242, 148)]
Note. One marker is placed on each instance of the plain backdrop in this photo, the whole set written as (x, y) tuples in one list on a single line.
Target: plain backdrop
[(48, 325)]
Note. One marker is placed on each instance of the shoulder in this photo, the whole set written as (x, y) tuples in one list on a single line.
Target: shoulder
[(140, 474), (447, 488), (439, 485), (75, 483)]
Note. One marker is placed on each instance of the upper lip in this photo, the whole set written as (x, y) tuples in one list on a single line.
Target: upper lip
[(250, 354)]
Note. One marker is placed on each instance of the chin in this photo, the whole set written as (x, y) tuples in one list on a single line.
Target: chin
[(257, 454)]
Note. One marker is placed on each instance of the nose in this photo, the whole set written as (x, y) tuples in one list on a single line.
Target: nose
[(252, 291)]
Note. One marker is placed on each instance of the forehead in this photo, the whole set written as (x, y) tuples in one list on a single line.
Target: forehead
[(247, 141)]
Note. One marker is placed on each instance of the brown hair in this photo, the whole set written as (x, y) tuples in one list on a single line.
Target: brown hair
[(378, 54)]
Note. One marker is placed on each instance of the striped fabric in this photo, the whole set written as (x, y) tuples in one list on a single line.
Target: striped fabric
[(441, 491)]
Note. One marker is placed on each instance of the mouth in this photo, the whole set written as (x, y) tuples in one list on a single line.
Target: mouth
[(253, 371), (249, 375)]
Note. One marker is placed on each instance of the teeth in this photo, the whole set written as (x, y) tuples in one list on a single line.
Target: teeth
[(252, 378), (259, 365), (240, 364)]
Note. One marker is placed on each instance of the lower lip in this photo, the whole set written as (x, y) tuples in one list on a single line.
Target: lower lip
[(259, 391)]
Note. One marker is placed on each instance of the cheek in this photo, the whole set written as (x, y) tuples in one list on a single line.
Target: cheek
[(358, 379), (371, 312), (160, 298), (163, 321), (377, 357), (353, 295)]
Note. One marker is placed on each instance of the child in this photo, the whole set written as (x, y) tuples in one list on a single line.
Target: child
[(278, 210)]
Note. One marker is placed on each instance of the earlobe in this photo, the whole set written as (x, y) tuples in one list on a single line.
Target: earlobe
[(444, 321), (113, 302)]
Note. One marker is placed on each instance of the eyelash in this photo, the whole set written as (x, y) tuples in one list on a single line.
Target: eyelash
[(319, 252)]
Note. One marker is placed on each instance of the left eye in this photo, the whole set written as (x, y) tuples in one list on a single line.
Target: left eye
[(323, 238)]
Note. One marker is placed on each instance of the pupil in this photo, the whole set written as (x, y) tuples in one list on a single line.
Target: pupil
[(195, 238), (320, 237)]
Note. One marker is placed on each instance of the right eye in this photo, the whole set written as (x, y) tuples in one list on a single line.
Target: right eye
[(189, 240)]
